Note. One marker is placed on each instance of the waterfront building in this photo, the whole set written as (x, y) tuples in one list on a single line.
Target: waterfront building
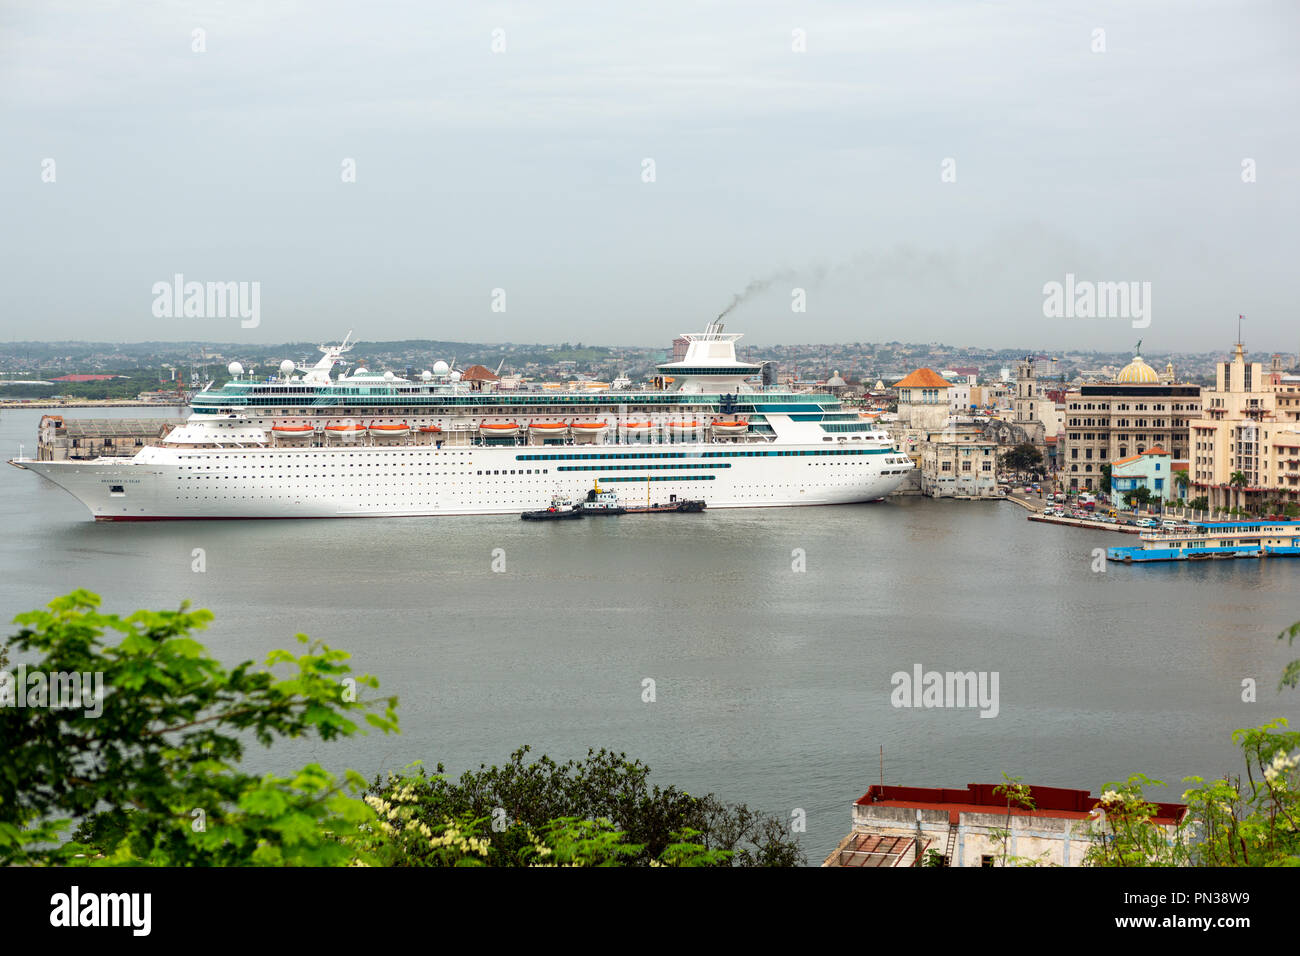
[(959, 462), (898, 826), (1134, 412), (1245, 446), (1152, 470)]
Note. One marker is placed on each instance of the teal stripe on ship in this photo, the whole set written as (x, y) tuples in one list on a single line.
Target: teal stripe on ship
[(694, 464), (614, 478), (641, 456)]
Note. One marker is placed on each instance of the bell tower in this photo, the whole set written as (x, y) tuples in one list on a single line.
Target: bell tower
[(1026, 389)]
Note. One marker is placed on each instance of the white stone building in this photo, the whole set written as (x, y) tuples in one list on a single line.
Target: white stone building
[(959, 462), (898, 826)]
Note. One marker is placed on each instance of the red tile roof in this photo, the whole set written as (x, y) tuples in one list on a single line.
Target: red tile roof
[(979, 798), (924, 378), (1150, 451)]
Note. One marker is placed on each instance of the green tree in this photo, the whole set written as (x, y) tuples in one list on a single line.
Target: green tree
[(1231, 821), (524, 797), (153, 777), (1019, 795), (148, 771), (1238, 481), (1181, 481), (1104, 484), (1140, 496), (1023, 457)]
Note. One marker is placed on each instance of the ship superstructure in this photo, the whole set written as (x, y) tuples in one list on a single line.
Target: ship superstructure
[(306, 443)]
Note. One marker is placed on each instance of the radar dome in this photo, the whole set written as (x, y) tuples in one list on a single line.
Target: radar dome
[(440, 367), (455, 376), (389, 376), (360, 371), (426, 375), (287, 367), (234, 368)]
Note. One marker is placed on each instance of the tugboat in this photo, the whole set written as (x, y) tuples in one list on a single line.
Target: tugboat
[(602, 501), (561, 508)]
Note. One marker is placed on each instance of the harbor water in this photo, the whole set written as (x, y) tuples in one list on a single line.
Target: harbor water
[(772, 637)]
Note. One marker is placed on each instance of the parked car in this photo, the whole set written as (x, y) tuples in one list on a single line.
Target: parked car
[(1145, 522)]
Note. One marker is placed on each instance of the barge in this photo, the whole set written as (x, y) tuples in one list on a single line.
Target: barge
[(1215, 541)]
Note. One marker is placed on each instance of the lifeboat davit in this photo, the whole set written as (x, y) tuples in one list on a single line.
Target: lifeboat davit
[(588, 429), (292, 431), (498, 429), (730, 426), (389, 429)]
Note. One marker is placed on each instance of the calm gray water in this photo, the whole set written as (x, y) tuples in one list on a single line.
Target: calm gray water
[(773, 687)]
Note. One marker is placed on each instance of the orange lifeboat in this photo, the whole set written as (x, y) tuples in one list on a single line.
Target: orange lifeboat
[(430, 430), (285, 430), (682, 428), (548, 428), (498, 429), (635, 429), (389, 429), (346, 430), (728, 426), (588, 429)]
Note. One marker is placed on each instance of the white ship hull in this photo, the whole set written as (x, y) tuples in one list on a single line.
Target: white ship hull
[(166, 483)]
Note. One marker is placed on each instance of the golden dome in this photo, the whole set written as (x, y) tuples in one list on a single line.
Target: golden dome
[(1137, 372)]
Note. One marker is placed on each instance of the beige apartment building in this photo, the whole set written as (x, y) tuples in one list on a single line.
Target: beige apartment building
[(1246, 443), (1107, 421)]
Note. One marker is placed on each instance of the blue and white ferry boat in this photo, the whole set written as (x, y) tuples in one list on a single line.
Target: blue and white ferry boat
[(1215, 540)]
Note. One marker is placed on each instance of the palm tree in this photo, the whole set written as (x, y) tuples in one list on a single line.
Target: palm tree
[(1238, 482), (1181, 481)]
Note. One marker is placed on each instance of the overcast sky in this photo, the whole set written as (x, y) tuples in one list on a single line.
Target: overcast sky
[(524, 169)]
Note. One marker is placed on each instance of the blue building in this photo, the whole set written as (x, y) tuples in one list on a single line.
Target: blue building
[(1150, 470)]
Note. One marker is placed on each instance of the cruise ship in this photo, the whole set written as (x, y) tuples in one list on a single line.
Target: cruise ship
[(305, 443)]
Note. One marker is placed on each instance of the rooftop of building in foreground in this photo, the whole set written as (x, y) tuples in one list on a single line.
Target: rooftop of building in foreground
[(895, 826)]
